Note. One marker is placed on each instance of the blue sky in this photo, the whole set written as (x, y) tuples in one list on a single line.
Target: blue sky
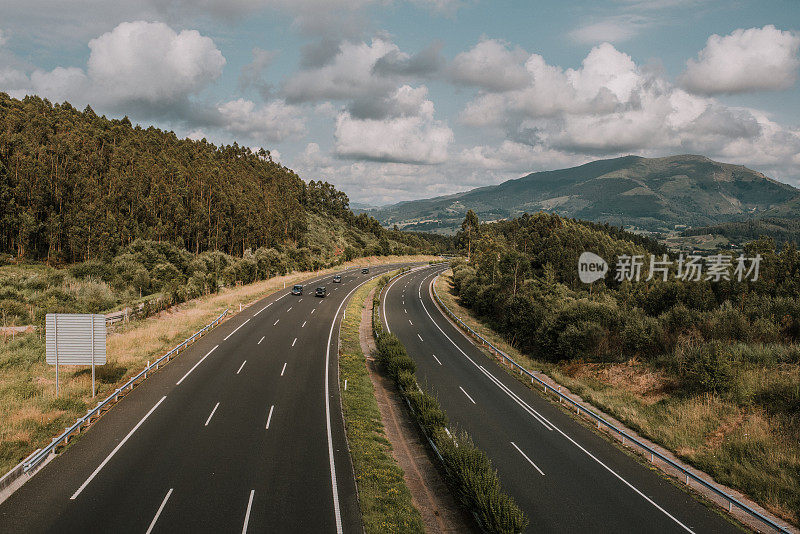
[(395, 100)]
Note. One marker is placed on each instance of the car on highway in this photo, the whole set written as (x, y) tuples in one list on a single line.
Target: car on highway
[(321, 292), (297, 289), (337, 279), (365, 270)]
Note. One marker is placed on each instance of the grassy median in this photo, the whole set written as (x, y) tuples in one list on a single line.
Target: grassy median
[(30, 413), (383, 496)]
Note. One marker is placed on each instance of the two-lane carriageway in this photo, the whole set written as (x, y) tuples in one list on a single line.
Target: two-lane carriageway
[(565, 477)]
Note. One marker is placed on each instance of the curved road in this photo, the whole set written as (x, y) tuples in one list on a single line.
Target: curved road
[(564, 476), (243, 432)]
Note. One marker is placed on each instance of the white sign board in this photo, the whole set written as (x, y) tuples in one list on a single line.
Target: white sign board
[(75, 338)]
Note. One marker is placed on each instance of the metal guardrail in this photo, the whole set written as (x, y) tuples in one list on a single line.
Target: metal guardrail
[(732, 501), (33, 460)]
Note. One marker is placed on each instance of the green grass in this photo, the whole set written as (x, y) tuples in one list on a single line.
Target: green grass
[(747, 438), (384, 498)]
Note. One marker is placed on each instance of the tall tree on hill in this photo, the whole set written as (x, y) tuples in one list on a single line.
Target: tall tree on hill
[(470, 227)]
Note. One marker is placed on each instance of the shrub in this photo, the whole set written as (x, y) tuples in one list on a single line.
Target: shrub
[(708, 368)]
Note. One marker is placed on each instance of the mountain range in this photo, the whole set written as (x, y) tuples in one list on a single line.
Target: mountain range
[(652, 194)]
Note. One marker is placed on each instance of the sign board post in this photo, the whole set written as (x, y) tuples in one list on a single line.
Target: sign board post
[(75, 339)]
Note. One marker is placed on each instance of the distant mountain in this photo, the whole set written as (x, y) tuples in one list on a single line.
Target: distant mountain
[(655, 194)]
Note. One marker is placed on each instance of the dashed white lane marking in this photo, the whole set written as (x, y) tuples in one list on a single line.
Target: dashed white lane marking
[(526, 457), (284, 368), (275, 323), (437, 359), (420, 338), (118, 447), (241, 367), (304, 324), (312, 311), (158, 513), (467, 394), (237, 329), (564, 434), (178, 383), (290, 309), (293, 342), (247, 514), (211, 414), (260, 340), (409, 322), (269, 417)]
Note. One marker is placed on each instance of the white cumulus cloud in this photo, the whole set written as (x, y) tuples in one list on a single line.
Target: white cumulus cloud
[(149, 61), (413, 136), (274, 121), (755, 59), (491, 65)]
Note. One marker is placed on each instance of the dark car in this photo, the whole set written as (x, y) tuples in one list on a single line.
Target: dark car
[(365, 270), (337, 279), (321, 292), (297, 290)]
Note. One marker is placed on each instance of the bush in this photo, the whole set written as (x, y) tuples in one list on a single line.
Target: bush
[(392, 356), (469, 471), (477, 485), (708, 368)]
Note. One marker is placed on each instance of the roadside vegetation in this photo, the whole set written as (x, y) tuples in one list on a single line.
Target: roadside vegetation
[(468, 470), (31, 414), (710, 370), (383, 496)]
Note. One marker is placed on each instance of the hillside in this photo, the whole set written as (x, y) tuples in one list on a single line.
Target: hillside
[(647, 193), (77, 187)]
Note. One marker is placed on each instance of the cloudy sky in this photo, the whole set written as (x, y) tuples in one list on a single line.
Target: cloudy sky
[(394, 100)]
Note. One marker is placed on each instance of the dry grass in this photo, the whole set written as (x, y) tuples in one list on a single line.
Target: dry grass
[(734, 439), (30, 413)]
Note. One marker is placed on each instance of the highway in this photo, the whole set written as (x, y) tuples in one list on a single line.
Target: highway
[(243, 432), (564, 476)]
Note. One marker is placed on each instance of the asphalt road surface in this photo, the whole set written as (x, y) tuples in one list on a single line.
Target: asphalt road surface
[(565, 477), (243, 432)]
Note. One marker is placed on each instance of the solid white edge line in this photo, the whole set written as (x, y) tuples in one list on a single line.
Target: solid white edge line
[(241, 367), (247, 514), (118, 447), (158, 513), (631, 486), (467, 394), (237, 329), (524, 405), (529, 460), (262, 309), (269, 417), (334, 486), (178, 383), (211, 414), (284, 368)]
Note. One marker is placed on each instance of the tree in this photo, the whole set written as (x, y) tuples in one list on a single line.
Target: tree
[(470, 227)]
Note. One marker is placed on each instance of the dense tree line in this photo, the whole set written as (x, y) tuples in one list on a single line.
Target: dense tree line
[(76, 187), (522, 278), (780, 229)]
